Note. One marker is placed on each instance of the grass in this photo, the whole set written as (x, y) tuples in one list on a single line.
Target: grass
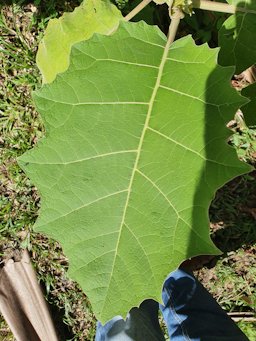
[(20, 129), (232, 213), (248, 329), (20, 124)]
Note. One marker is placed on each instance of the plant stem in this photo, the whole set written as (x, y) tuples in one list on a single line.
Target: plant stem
[(176, 18), (220, 7), (137, 9), (132, 14)]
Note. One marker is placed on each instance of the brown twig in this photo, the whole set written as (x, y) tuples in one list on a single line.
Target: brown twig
[(244, 316)]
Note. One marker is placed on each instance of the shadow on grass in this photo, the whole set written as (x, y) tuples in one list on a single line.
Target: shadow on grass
[(233, 214), (232, 211)]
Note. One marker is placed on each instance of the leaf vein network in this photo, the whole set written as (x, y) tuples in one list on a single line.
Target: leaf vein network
[(142, 248), (129, 63), (85, 205), (87, 158), (135, 167), (159, 190), (187, 95), (189, 149), (74, 246)]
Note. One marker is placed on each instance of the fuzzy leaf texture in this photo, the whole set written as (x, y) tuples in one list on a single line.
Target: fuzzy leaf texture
[(237, 37), (92, 16), (134, 152)]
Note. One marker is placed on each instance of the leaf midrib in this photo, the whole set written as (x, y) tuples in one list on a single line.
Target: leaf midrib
[(135, 167)]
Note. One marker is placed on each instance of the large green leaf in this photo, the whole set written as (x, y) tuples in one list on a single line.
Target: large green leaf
[(134, 152), (237, 37), (92, 16)]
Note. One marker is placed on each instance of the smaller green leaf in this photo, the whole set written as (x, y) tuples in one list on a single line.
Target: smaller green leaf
[(237, 37), (92, 16), (249, 109)]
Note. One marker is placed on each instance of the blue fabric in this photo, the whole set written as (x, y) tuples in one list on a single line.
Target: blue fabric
[(189, 311), (141, 324)]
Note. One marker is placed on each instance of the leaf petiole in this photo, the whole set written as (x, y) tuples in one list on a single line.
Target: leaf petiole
[(176, 17), (219, 7), (137, 9)]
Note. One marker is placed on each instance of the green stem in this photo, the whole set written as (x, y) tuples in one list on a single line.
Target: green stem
[(132, 14), (176, 18), (220, 7), (137, 9)]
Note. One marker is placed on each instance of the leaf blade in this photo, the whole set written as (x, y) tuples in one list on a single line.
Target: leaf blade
[(122, 133), (54, 49), (236, 37)]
